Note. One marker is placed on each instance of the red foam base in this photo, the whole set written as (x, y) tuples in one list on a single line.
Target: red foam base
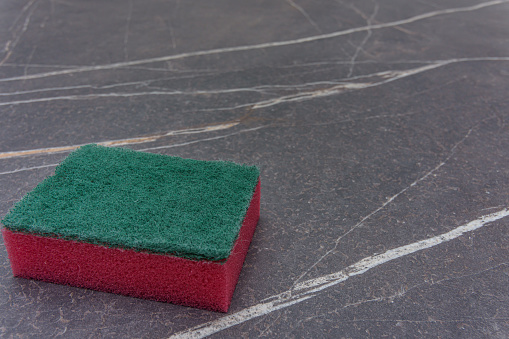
[(202, 284)]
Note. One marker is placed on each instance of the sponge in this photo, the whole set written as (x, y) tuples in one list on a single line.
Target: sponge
[(138, 224)]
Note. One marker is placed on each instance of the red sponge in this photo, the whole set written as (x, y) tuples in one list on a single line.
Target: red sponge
[(197, 283), (139, 224)]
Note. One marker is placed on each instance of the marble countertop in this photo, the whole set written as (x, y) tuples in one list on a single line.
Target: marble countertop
[(381, 129)]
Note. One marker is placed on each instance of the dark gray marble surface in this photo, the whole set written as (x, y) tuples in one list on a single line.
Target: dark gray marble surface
[(381, 129)]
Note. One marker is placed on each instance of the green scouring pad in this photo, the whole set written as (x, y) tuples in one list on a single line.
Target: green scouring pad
[(139, 224)]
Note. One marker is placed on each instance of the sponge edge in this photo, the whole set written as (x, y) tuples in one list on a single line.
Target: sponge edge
[(197, 283)]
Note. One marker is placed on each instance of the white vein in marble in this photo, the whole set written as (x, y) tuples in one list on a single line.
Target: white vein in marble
[(120, 142), (312, 287), (260, 46), (339, 86)]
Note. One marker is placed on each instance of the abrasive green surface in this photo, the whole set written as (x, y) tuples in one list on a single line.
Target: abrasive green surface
[(128, 199)]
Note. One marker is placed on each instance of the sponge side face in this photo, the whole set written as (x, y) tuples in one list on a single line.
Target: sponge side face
[(147, 202), (197, 283)]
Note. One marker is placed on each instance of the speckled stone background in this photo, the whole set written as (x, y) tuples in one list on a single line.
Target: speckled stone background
[(381, 129)]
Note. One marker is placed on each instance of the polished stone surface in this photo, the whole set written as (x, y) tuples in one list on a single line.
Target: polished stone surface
[(381, 129)]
